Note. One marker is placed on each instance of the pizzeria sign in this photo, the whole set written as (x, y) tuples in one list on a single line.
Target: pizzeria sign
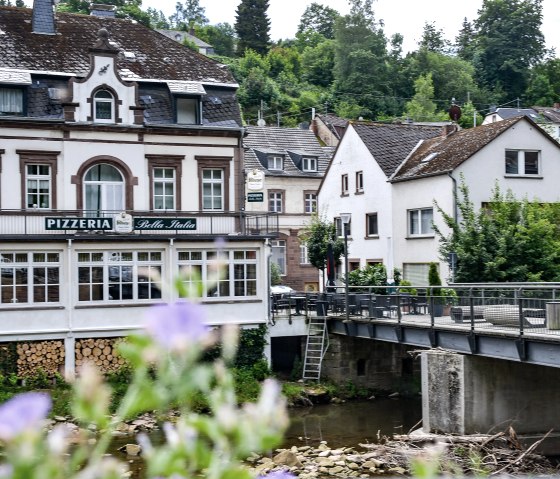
[(107, 224)]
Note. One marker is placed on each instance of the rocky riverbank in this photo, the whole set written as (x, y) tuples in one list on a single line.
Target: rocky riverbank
[(464, 455)]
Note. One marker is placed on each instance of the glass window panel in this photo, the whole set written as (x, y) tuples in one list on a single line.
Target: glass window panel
[(512, 162), (531, 163), (427, 216)]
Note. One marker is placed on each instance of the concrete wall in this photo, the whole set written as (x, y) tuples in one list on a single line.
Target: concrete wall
[(473, 394), (384, 366)]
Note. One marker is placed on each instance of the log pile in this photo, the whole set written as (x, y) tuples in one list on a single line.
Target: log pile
[(103, 352), (33, 356)]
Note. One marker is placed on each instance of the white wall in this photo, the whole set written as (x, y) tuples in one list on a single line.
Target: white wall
[(352, 156)]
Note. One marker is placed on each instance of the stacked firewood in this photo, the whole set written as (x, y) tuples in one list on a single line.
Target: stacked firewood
[(33, 356), (102, 352)]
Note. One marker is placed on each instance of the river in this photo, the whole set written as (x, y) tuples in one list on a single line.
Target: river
[(346, 424)]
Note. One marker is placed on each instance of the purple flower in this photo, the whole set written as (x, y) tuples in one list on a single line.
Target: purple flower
[(175, 326), (278, 475), (23, 412)]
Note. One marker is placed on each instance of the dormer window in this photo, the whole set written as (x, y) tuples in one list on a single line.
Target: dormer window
[(188, 111), (103, 107), (275, 163), (309, 163), (11, 101)]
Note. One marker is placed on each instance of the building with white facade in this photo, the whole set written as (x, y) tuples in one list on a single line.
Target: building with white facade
[(356, 182), (120, 169)]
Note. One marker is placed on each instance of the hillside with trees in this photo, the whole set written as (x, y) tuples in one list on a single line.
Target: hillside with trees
[(345, 64)]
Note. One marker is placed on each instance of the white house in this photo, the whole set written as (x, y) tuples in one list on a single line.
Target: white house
[(356, 182), (515, 154), (120, 167)]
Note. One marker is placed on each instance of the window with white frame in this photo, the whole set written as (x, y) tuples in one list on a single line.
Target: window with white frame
[(213, 189), (420, 222), (11, 101), (103, 107), (359, 181), (164, 188), (416, 273), (38, 184), (371, 224), (339, 225), (275, 201), (344, 184), (30, 277), (278, 254), (122, 275), (310, 201), (103, 189), (522, 162), (219, 273), (275, 163), (309, 163), (303, 254)]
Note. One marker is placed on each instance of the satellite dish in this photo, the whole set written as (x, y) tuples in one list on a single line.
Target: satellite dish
[(455, 112), (261, 122)]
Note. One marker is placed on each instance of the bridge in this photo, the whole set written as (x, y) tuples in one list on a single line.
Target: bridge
[(492, 352)]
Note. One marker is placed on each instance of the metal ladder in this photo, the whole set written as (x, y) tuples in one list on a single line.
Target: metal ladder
[(315, 348)]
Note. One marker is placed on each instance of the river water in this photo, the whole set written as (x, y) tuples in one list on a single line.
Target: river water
[(346, 424)]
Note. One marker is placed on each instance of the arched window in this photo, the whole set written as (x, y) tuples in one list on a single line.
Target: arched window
[(103, 190), (103, 107)]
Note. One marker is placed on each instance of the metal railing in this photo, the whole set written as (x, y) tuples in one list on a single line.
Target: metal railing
[(34, 222), (515, 308)]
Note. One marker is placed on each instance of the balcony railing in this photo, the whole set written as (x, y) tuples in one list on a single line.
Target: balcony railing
[(523, 308), (57, 222)]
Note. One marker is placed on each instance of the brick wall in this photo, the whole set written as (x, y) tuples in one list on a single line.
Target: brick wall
[(298, 275)]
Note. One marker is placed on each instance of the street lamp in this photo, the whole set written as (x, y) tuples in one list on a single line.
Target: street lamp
[(345, 219)]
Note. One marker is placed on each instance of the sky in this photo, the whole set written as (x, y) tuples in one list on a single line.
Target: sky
[(400, 16)]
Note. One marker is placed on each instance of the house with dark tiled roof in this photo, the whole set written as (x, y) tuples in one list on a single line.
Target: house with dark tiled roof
[(182, 37), (546, 117), (120, 168), (356, 182), (516, 155), (293, 163), (329, 128)]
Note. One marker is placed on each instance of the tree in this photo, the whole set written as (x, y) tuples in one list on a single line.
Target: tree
[(188, 15), (509, 41), (128, 9), (318, 19), (361, 59), (318, 63), (252, 26), (422, 107), (511, 240), (158, 19), (220, 36), (317, 236), (464, 42), (432, 39)]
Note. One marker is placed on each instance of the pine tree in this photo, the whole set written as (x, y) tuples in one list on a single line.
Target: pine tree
[(252, 26)]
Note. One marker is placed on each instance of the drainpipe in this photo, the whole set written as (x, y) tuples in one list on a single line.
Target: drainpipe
[(455, 212), (69, 340)]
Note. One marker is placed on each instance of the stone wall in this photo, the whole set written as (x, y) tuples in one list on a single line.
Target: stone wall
[(300, 276), (377, 365)]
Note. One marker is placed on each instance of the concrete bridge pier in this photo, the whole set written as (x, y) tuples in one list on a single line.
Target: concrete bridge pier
[(464, 394)]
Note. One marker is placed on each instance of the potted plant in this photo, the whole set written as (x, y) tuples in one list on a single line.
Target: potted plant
[(410, 292), (434, 281), (449, 298)]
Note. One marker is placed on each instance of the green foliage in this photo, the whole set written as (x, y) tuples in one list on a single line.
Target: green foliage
[(187, 15), (434, 279), (433, 39), (251, 347), (318, 19), (190, 44), (371, 275), (511, 240), (316, 236), (275, 277), (252, 26), (220, 36), (509, 40), (404, 289)]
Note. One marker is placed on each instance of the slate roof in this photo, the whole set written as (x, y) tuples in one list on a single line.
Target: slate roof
[(292, 143), (192, 38), (390, 144), (449, 152), (155, 55), (143, 55), (551, 114), (506, 113)]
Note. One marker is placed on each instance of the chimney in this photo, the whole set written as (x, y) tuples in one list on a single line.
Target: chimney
[(43, 17), (101, 10), (448, 129)]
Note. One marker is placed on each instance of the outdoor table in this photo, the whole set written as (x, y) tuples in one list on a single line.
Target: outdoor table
[(300, 300)]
